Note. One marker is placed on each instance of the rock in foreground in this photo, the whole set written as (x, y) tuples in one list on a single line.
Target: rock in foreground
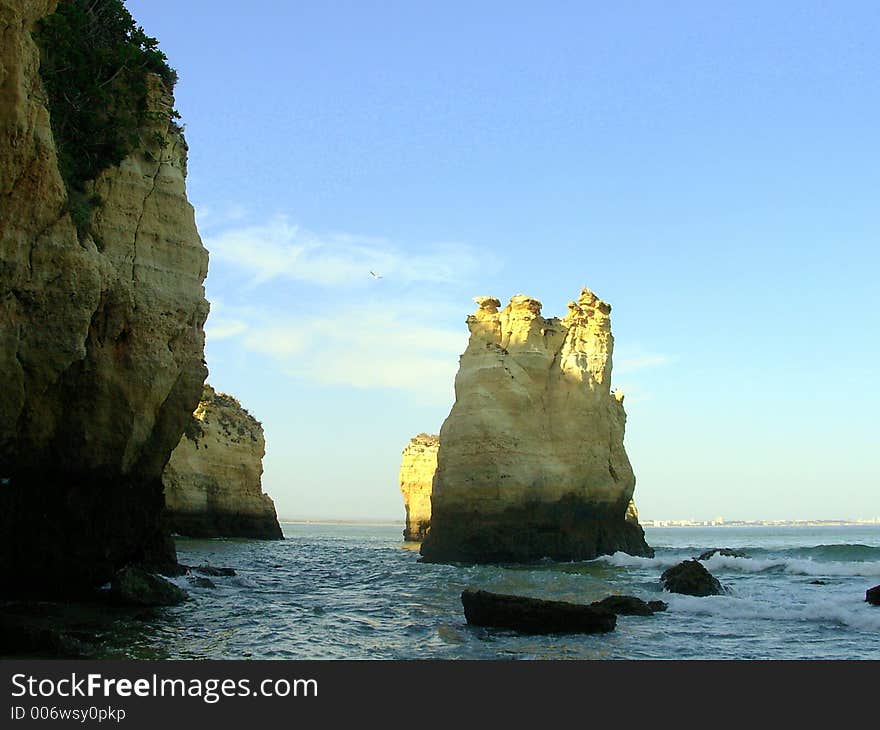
[(531, 461), (212, 482), (137, 587), (872, 596), (692, 579), (533, 615), (417, 467)]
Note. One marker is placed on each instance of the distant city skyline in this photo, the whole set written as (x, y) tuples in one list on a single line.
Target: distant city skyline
[(711, 170)]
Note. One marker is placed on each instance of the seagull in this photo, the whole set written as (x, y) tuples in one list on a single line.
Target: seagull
[(375, 275)]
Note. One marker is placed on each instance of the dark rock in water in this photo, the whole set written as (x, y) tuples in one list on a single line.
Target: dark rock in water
[(533, 615), (657, 606), (692, 579), (211, 570), (627, 606), (872, 596), (727, 552), (818, 582), (200, 582), (138, 587)]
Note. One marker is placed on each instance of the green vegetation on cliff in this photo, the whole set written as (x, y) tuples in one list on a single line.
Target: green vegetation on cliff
[(94, 64)]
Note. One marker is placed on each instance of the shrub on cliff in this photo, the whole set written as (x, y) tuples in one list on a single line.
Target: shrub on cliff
[(94, 64)]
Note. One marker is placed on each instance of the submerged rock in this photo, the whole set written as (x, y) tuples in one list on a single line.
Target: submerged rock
[(136, 586), (417, 467), (727, 552), (872, 596), (101, 339), (200, 582), (692, 579), (531, 462), (533, 615), (629, 606), (211, 570)]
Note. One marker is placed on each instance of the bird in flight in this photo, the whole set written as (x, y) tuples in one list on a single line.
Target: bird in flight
[(375, 275)]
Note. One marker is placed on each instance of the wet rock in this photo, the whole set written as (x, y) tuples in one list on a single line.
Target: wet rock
[(657, 606), (137, 587), (628, 606), (872, 596), (727, 552), (533, 615), (19, 636), (211, 570), (818, 582), (692, 579), (200, 582)]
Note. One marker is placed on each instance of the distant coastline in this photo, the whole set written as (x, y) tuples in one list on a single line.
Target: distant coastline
[(762, 523), (645, 523)]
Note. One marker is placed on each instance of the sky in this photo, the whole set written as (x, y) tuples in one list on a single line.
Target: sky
[(710, 169)]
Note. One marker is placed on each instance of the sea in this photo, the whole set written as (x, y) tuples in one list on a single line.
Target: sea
[(346, 591)]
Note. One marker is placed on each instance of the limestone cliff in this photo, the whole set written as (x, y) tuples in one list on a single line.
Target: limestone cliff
[(417, 469), (101, 340), (531, 460), (212, 481)]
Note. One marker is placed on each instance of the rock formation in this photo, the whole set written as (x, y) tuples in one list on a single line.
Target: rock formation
[(417, 469), (534, 615), (212, 481), (531, 461), (101, 341), (692, 579)]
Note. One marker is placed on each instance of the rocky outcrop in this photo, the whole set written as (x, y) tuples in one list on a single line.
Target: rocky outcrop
[(872, 596), (724, 552), (692, 579), (417, 469), (136, 587), (534, 615), (531, 461), (212, 481), (101, 341), (629, 606)]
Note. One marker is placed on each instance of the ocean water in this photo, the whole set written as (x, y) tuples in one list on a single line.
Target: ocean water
[(359, 592)]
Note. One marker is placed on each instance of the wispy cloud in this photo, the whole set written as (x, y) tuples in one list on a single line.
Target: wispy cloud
[(281, 249), (404, 331), (361, 347), (634, 363)]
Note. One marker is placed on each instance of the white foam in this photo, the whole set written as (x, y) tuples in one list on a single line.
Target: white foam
[(846, 611), (791, 566)]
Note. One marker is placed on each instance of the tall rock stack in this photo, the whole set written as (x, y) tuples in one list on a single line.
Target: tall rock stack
[(531, 461), (212, 481), (417, 469), (101, 340)]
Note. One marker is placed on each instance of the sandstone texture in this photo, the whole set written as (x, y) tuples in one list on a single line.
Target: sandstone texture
[(531, 461), (212, 481), (417, 469), (101, 340)]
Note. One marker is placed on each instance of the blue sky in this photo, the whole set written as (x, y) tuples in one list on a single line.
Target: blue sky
[(711, 169)]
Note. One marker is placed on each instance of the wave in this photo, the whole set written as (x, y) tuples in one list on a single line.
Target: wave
[(722, 563), (846, 612)]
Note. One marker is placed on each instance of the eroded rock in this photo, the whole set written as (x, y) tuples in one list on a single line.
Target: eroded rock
[(135, 586), (531, 462), (212, 481), (417, 467)]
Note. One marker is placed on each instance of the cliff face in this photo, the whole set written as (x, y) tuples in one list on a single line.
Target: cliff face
[(101, 341), (212, 481), (531, 460), (417, 469)]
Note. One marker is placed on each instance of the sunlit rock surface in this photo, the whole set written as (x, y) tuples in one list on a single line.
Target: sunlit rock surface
[(531, 461)]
